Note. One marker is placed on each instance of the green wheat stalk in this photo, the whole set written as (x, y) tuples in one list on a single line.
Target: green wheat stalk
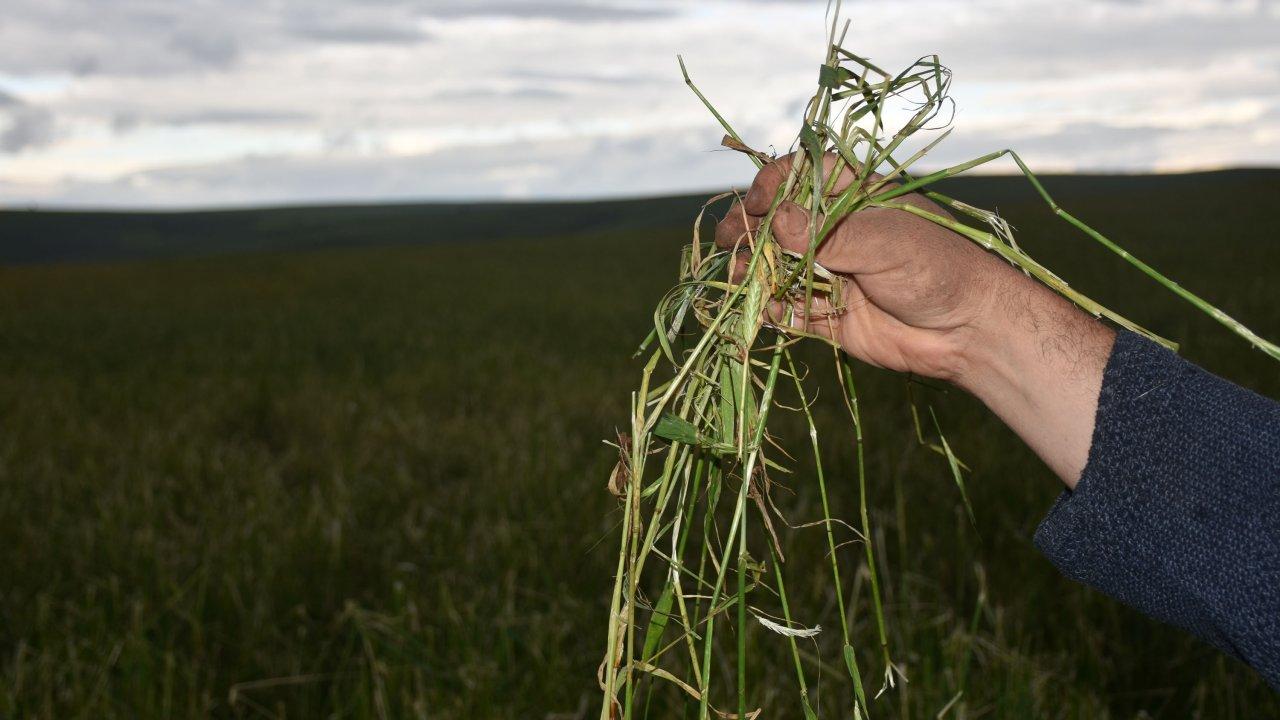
[(709, 385)]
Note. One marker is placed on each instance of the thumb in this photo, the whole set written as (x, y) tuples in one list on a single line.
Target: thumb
[(790, 227), (838, 251)]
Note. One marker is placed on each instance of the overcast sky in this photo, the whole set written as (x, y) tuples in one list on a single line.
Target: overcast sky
[(130, 103)]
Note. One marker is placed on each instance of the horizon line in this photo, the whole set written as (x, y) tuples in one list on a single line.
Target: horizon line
[(391, 201)]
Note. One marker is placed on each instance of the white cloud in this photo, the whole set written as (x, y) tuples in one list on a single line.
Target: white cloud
[(238, 102)]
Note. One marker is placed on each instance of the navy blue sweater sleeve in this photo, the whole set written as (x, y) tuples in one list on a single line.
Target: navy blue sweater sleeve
[(1177, 512)]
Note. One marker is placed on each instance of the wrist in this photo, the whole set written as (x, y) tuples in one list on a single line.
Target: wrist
[(1022, 332), (1037, 361), (983, 343)]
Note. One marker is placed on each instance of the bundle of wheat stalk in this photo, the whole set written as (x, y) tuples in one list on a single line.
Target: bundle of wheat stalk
[(698, 548)]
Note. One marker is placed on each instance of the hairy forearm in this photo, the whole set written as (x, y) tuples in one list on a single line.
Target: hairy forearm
[(1037, 362)]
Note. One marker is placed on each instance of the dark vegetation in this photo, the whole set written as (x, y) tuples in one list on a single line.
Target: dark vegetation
[(367, 480)]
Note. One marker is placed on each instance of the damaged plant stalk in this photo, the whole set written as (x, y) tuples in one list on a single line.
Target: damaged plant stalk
[(699, 562)]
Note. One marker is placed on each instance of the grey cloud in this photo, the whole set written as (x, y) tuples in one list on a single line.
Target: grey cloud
[(348, 140), (128, 121), (29, 127), (123, 122), (147, 60), (144, 38), (581, 12), (83, 66), (133, 37), (206, 46), (481, 93), (1097, 146), (141, 37), (587, 78), (652, 163), (246, 116), (362, 34), (1031, 46), (661, 164)]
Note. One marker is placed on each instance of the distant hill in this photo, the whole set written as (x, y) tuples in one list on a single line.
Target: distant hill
[(37, 236)]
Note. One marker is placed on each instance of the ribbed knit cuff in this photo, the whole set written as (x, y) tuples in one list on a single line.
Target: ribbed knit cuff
[(1177, 512), (1073, 533)]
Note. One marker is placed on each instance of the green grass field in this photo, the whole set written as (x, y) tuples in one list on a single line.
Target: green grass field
[(369, 481)]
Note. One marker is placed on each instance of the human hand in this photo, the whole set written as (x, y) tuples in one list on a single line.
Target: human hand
[(920, 298), (914, 291)]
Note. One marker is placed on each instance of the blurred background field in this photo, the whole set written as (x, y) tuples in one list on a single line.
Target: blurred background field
[(347, 462)]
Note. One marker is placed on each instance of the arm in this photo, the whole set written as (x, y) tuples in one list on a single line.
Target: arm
[(1037, 362), (924, 300), (1177, 512), (1172, 475)]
